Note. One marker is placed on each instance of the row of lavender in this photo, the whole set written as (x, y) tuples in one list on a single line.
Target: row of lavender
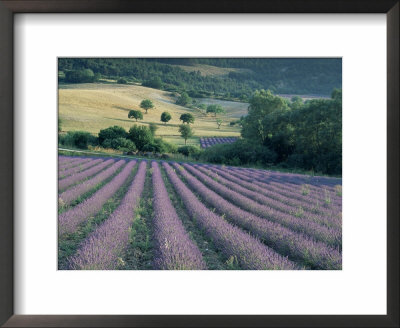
[(253, 220), (208, 142)]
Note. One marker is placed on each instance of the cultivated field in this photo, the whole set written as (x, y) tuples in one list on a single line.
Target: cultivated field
[(94, 106), (131, 215), (209, 142)]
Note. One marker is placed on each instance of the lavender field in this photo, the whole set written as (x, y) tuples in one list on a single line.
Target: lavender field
[(120, 214), (209, 142)]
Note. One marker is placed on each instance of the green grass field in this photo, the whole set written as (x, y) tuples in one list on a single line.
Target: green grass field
[(95, 106)]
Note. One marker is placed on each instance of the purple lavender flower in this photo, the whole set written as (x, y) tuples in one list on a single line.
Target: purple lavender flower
[(73, 193), (175, 249), (325, 234), (71, 162), (103, 248), (232, 241), (275, 200), (68, 181), (78, 168), (208, 142), (287, 242), (69, 220)]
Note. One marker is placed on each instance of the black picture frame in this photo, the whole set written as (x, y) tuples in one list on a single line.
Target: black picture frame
[(7, 10)]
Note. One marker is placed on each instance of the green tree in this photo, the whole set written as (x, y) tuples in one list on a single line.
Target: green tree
[(165, 117), (216, 109), (146, 104), (155, 83), (256, 124), (192, 151), (185, 131), (296, 102), (318, 134), (187, 118), (122, 144), (153, 128), (136, 114), (140, 136), (219, 122), (184, 99), (80, 76), (112, 132)]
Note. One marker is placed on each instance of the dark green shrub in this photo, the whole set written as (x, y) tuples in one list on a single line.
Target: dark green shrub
[(239, 153), (78, 139), (184, 99), (154, 83), (113, 132), (191, 151), (140, 136), (81, 76), (165, 117), (160, 146), (136, 114), (121, 80), (187, 118), (122, 144)]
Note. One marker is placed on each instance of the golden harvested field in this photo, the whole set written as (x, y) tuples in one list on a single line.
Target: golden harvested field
[(95, 106)]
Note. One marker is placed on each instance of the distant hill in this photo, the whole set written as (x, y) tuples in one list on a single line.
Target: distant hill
[(230, 78)]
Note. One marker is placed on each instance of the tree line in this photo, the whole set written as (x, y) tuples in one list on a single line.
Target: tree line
[(291, 134), (280, 75)]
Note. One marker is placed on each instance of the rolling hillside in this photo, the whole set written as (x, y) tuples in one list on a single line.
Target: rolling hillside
[(94, 106)]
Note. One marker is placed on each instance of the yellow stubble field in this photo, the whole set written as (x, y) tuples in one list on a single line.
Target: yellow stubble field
[(95, 106)]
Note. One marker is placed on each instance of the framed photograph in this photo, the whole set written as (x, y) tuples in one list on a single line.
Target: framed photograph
[(209, 164)]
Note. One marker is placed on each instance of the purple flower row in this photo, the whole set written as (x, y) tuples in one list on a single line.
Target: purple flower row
[(208, 142), (69, 220), (325, 234), (73, 162), (78, 168), (287, 184), (104, 247), (286, 241), (290, 197), (73, 193), (175, 249), (232, 241), (65, 159), (68, 181), (315, 181), (277, 201), (320, 194), (280, 209)]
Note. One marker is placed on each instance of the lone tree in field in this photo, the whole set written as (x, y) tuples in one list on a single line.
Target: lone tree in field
[(184, 99), (219, 122), (186, 131), (146, 105), (216, 109), (165, 117), (136, 114), (187, 118)]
